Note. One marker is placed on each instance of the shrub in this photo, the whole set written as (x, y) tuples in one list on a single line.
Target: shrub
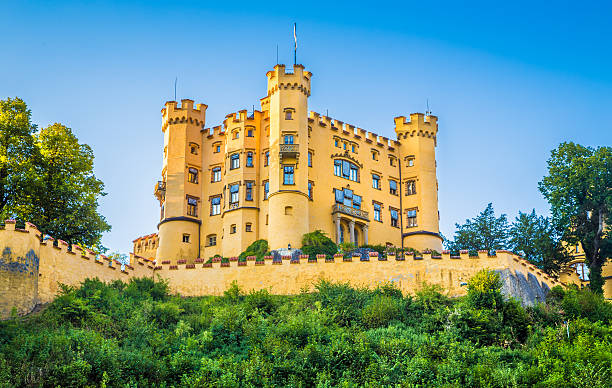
[(484, 290), (380, 311), (258, 248), (317, 243)]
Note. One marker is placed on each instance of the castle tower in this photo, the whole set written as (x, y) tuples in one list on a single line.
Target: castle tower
[(180, 189), (419, 191), (288, 113)]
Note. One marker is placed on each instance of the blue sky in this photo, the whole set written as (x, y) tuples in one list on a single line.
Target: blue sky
[(508, 81)]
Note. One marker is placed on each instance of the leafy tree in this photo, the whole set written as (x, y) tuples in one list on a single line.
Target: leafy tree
[(536, 239), (317, 243), (485, 231), (64, 203), (579, 189), (17, 155), (258, 248)]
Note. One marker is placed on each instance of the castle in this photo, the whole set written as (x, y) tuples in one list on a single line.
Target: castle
[(283, 171), (277, 174)]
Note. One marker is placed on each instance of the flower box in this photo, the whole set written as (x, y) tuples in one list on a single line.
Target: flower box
[(367, 258), (382, 258), (329, 260), (190, 266), (261, 262), (312, 260), (347, 259), (277, 262), (216, 259), (234, 258), (400, 258), (446, 252), (269, 257), (436, 256), (165, 262), (198, 260), (373, 254), (251, 258), (286, 257), (242, 263), (304, 257), (463, 252), (174, 267), (295, 261), (182, 261), (207, 265), (338, 255), (321, 256), (225, 264)]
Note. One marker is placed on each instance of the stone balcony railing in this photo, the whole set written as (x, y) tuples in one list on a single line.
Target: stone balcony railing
[(160, 190), (289, 151), (358, 213)]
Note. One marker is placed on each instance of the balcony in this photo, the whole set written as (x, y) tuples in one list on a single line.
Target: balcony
[(289, 151), (160, 190), (357, 213)]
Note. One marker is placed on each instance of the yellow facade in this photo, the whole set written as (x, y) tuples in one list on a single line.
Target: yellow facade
[(282, 171)]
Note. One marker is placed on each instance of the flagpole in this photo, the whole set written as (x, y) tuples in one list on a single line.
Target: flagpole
[(295, 45)]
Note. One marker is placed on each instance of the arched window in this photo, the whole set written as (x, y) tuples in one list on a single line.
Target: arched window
[(346, 170)]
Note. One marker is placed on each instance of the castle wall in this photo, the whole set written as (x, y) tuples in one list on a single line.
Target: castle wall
[(19, 265), (452, 273)]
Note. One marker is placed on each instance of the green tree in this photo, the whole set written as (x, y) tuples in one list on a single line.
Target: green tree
[(535, 238), (17, 155), (579, 189), (317, 242), (64, 201), (485, 231)]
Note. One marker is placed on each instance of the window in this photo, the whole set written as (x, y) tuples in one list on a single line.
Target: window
[(215, 205), (410, 187), (392, 161), (267, 158), (288, 115), (288, 175), (288, 139), (348, 197), (212, 240), (216, 174), (336, 143), (411, 218), (288, 210), (344, 145), (393, 187), (353, 148), (410, 161), (376, 181), (236, 134), (310, 189), (266, 186), (234, 196), (248, 227), (346, 169), (192, 175), (310, 159), (234, 161), (374, 155), (217, 148), (249, 161), (356, 201), (233, 229), (192, 206), (394, 217), (193, 148), (377, 211), (249, 132), (185, 238), (248, 191)]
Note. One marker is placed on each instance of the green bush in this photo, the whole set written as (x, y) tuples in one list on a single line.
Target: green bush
[(317, 243), (258, 248), (484, 290)]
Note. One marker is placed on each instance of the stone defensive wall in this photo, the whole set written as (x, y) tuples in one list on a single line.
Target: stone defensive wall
[(32, 268)]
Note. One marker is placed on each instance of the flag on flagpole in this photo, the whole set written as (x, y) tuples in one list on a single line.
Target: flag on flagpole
[(295, 35)]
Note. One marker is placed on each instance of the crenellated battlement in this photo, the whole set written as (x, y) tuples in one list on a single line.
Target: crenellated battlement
[(279, 78), (242, 118), (172, 114), (418, 125)]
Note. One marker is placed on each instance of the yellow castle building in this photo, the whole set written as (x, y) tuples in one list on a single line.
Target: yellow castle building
[(284, 171)]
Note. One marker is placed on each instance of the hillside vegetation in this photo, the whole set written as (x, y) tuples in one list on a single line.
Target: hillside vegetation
[(138, 335)]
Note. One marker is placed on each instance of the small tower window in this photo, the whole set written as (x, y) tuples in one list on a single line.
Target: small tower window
[(193, 148), (288, 114), (310, 159), (411, 218), (310, 190), (266, 158), (215, 205), (193, 175), (185, 238), (353, 148), (376, 181), (249, 132), (234, 161), (233, 229), (249, 159), (392, 161), (394, 217), (410, 187), (374, 155), (288, 210), (192, 206), (410, 161), (248, 227), (288, 175), (216, 148), (236, 134), (248, 191), (234, 195), (336, 143), (377, 211), (266, 186), (216, 174)]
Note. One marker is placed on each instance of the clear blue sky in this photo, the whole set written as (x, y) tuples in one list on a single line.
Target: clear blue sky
[(508, 80)]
